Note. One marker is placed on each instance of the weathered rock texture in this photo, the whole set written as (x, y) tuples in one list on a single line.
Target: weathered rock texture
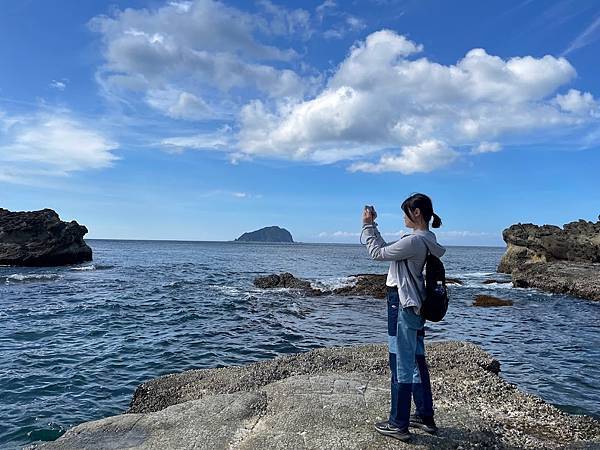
[(329, 399), (40, 238), (562, 260), (362, 284), (267, 234)]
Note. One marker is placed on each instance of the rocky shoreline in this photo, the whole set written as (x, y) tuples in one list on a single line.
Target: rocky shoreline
[(329, 398), (560, 260)]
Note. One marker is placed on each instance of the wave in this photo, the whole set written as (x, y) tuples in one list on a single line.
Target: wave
[(92, 267), (25, 278)]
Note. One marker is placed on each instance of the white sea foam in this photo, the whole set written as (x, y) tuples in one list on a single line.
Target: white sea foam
[(331, 283), (24, 278), (84, 268)]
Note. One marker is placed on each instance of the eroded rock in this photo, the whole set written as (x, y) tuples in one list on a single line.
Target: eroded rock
[(40, 238), (562, 260)]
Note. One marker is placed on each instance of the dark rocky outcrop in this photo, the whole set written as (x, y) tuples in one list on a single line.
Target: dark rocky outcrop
[(562, 260), (489, 300), (40, 238), (329, 399), (267, 234), (361, 285)]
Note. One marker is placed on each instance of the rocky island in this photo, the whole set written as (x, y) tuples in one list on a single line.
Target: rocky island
[(329, 398), (267, 234), (40, 238), (561, 260)]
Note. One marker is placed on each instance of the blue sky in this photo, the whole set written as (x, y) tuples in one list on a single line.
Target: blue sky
[(201, 120)]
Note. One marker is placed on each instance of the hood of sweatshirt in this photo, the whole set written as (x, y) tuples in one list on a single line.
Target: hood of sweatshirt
[(431, 242)]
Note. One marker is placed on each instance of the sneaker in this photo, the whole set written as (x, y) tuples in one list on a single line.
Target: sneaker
[(424, 423), (390, 430)]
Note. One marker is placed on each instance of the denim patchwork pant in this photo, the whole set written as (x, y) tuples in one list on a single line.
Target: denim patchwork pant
[(410, 374)]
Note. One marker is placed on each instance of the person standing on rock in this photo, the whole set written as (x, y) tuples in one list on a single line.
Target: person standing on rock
[(406, 331)]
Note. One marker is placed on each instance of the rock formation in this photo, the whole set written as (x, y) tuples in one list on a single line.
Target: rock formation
[(40, 238), (329, 399), (490, 300), (362, 284), (562, 260), (267, 234)]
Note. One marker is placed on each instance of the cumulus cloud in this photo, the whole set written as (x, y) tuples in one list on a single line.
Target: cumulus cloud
[(51, 144), (426, 156), (385, 107), (383, 96), (185, 55), (577, 102)]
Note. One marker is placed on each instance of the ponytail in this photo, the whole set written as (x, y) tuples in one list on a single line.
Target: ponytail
[(437, 222)]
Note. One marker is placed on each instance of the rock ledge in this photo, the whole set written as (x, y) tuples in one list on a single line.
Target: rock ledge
[(328, 399)]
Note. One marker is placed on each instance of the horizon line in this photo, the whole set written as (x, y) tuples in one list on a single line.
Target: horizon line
[(259, 242)]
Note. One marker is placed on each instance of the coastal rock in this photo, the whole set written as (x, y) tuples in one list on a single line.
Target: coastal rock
[(561, 277), (562, 260), (577, 241), (329, 399), (362, 284), (267, 234), (287, 280), (489, 300), (40, 238)]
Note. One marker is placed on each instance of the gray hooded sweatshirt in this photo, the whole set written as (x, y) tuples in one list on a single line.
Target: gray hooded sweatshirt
[(411, 247)]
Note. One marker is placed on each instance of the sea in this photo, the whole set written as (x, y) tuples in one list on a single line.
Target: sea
[(75, 341)]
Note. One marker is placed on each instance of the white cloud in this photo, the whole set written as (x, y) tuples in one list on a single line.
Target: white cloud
[(586, 37), (381, 98), (187, 57), (384, 108), (47, 144), (219, 140), (179, 104), (578, 102), (60, 85), (486, 147), (426, 156)]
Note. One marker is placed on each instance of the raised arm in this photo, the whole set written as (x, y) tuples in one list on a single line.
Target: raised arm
[(380, 251)]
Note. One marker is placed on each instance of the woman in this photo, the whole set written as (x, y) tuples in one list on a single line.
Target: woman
[(405, 326)]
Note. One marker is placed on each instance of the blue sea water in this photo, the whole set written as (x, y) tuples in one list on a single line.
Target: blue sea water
[(76, 341)]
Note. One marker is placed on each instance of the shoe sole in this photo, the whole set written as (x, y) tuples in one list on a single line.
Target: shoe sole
[(394, 434), (423, 427)]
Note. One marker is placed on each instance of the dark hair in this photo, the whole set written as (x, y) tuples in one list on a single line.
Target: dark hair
[(424, 204)]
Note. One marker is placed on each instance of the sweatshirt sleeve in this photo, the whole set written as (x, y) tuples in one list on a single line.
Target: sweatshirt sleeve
[(380, 251)]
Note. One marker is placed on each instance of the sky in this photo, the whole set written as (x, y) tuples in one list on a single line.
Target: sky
[(201, 120)]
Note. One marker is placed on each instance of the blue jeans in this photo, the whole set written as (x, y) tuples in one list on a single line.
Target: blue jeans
[(406, 335)]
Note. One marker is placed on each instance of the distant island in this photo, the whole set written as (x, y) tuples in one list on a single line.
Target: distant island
[(267, 234)]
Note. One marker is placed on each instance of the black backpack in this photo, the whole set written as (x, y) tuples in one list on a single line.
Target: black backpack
[(435, 304)]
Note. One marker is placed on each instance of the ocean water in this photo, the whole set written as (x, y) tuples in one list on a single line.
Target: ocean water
[(76, 341)]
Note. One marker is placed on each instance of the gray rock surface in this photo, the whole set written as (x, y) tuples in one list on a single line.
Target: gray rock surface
[(562, 277), (40, 238), (267, 234), (329, 399), (562, 260)]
